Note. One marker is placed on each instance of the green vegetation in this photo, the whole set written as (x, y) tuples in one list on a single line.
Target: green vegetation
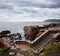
[(52, 50), (48, 47), (49, 50), (4, 49)]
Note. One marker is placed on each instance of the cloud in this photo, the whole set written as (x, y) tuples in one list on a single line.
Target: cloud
[(29, 10), (39, 3)]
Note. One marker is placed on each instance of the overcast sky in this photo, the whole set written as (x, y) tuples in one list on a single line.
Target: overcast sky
[(29, 10)]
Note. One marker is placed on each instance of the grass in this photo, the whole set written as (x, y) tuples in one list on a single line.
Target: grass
[(52, 50)]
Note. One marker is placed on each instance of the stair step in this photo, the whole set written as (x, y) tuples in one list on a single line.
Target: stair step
[(41, 42)]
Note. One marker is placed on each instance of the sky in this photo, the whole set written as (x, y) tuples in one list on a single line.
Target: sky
[(29, 10)]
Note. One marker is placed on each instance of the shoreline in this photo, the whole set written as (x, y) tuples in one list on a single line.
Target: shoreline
[(38, 37)]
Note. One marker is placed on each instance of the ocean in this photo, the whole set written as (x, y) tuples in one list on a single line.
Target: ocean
[(17, 27)]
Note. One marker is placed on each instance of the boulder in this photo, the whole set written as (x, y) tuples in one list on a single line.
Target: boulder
[(5, 32), (3, 43), (15, 36), (31, 32)]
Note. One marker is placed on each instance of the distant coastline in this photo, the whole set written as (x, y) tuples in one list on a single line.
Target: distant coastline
[(52, 20)]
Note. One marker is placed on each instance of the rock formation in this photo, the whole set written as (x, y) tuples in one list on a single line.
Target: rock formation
[(31, 32), (3, 43), (16, 36), (4, 33), (52, 25)]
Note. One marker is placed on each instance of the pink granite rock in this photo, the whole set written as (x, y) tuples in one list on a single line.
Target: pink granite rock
[(31, 32)]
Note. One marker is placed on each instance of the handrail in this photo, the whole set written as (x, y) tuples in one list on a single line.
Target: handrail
[(46, 32)]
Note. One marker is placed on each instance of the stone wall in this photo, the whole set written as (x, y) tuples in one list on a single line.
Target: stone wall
[(23, 42)]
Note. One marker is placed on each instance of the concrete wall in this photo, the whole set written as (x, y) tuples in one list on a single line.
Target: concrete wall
[(23, 42)]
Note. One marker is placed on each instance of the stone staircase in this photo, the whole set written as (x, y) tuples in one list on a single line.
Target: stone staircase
[(41, 42)]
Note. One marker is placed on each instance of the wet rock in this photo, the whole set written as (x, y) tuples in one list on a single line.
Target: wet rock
[(52, 25), (5, 32), (3, 35), (16, 36), (31, 32)]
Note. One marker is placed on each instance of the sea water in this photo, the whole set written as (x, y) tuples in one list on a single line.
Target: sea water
[(17, 27)]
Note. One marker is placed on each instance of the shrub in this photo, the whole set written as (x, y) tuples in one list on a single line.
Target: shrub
[(5, 49), (48, 47), (51, 50)]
